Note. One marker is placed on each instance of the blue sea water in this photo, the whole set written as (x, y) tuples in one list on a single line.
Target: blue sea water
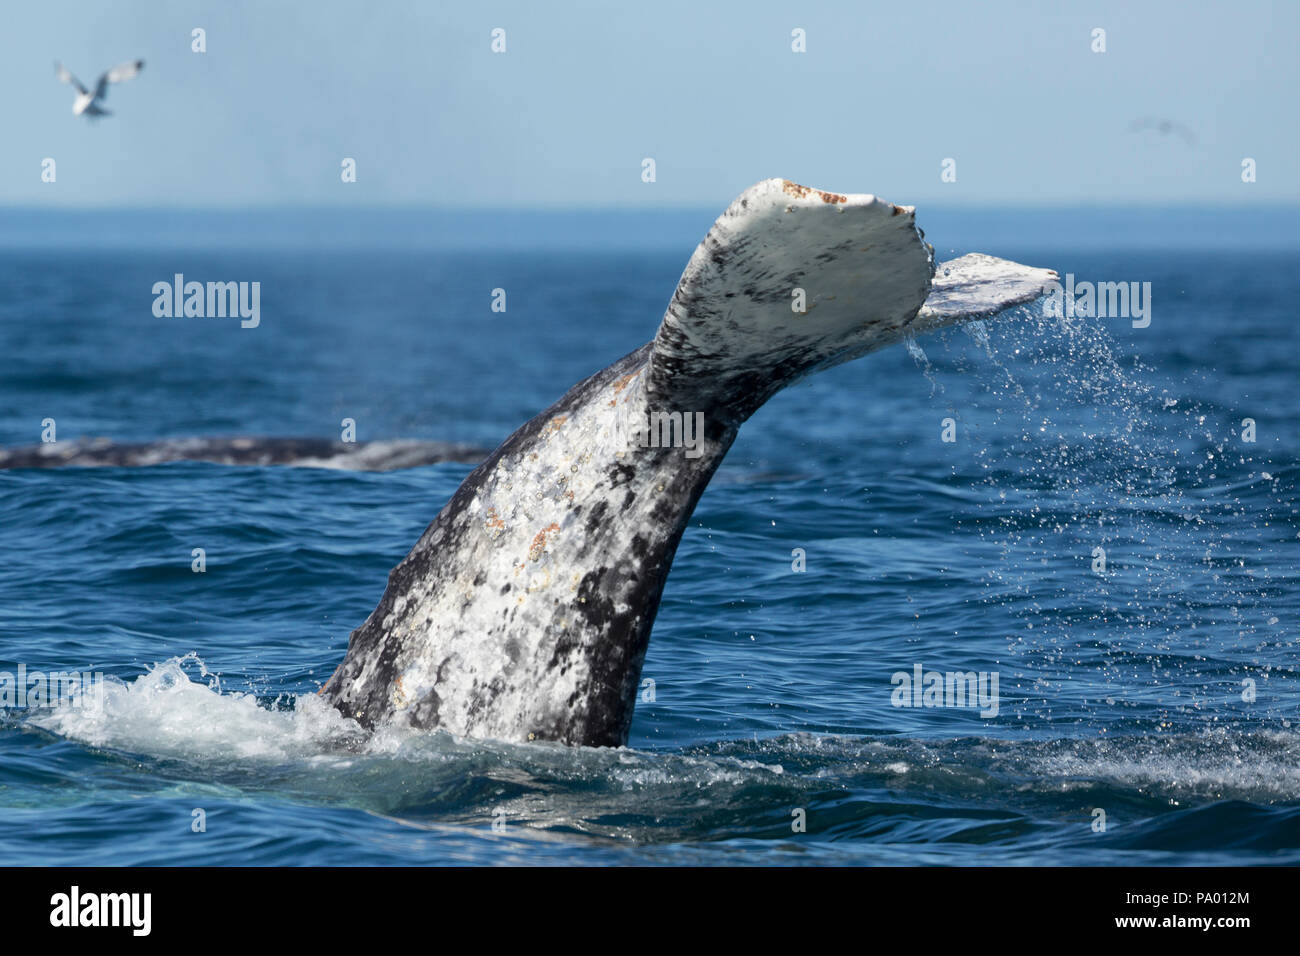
[(1159, 697)]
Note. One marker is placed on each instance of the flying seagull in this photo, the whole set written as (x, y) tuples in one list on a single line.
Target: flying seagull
[(88, 103), (1164, 127)]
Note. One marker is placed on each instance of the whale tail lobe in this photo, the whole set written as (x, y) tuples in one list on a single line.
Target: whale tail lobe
[(790, 280)]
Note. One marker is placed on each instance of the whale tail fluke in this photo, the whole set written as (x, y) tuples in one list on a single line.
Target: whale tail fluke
[(976, 286), (525, 609), (790, 280)]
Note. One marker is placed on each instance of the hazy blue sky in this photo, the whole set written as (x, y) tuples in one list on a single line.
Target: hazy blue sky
[(585, 91)]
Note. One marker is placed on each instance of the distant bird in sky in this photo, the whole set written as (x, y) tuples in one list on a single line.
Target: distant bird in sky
[(1164, 127), (87, 102)]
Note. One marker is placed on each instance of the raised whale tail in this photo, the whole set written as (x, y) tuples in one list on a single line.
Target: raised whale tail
[(791, 280), (525, 609)]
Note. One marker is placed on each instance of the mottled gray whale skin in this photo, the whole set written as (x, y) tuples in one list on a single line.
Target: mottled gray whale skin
[(525, 609)]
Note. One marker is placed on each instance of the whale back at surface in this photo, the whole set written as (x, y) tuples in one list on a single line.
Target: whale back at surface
[(524, 610)]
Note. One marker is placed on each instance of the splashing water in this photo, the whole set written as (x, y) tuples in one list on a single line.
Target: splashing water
[(1125, 544)]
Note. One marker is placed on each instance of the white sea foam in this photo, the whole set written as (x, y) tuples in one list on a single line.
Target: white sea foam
[(166, 713), (177, 710)]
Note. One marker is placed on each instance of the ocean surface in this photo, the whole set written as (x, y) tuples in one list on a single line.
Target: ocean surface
[(1146, 712)]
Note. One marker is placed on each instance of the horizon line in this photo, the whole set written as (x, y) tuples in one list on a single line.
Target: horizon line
[(1282, 205)]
